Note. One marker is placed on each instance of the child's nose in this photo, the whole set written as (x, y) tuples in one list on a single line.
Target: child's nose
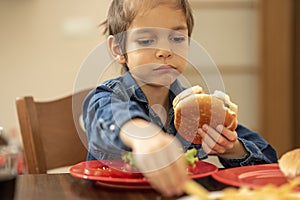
[(163, 53)]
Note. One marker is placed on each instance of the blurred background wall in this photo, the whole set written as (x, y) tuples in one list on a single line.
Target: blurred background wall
[(43, 44)]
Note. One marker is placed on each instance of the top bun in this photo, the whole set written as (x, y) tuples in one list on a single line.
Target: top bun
[(289, 163)]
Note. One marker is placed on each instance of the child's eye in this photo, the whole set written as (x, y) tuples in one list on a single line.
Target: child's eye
[(177, 39), (145, 42)]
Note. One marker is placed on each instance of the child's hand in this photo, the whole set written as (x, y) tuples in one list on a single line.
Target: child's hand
[(162, 162), (221, 141)]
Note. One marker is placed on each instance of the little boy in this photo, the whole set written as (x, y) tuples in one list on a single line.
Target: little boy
[(133, 112)]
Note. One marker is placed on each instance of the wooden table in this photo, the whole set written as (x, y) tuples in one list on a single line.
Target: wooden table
[(64, 186)]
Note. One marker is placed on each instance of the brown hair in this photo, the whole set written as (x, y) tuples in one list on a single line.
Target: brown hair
[(121, 13)]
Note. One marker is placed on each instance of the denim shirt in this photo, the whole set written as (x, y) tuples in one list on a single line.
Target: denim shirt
[(116, 101)]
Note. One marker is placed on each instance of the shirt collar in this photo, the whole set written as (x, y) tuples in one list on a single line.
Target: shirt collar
[(175, 89), (134, 90)]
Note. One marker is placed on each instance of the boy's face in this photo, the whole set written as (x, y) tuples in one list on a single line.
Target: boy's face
[(157, 45)]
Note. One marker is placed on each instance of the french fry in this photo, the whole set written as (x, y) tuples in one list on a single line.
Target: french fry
[(268, 192), (193, 188)]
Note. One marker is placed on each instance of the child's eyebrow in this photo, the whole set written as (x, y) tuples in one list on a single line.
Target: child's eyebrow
[(179, 28), (142, 30), (149, 30)]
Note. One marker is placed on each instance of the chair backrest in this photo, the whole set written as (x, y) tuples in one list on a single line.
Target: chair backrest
[(51, 132)]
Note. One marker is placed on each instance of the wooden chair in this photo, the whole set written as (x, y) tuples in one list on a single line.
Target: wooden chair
[(51, 132)]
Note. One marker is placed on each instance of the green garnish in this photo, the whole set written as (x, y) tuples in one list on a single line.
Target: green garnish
[(128, 158), (190, 156)]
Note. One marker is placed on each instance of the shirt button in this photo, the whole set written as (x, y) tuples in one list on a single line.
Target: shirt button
[(112, 127)]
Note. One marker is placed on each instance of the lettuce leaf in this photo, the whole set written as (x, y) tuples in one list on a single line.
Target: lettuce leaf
[(190, 155)]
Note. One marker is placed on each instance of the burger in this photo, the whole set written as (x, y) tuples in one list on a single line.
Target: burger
[(193, 108), (289, 164)]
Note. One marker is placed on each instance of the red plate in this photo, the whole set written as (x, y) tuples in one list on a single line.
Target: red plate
[(255, 176), (115, 173)]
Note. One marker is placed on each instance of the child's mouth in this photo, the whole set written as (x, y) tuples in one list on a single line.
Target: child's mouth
[(165, 68)]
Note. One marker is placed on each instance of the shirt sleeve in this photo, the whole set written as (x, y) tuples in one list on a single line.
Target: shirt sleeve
[(259, 151), (104, 113)]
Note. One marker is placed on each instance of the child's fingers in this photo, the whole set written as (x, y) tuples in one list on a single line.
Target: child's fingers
[(216, 140), (228, 134), (215, 135), (209, 145), (166, 181), (209, 149)]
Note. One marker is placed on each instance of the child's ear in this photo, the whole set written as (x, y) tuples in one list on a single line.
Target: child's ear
[(115, 50)]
